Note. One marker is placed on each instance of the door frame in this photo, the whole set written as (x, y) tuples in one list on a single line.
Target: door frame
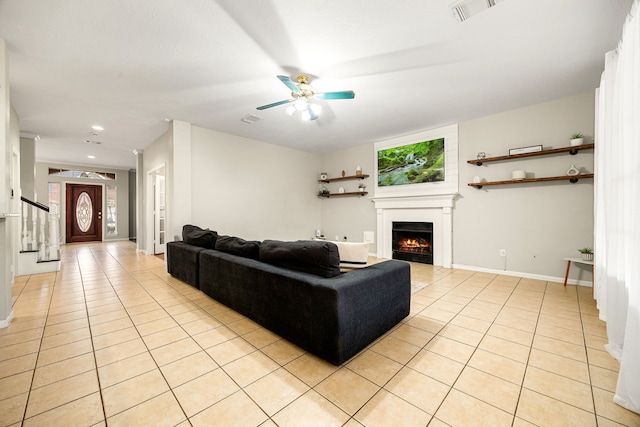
[(159, 203), (150, 210), (15, 205), (63, 206)]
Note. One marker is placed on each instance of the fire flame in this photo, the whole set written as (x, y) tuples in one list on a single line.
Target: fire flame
[(414, 245)]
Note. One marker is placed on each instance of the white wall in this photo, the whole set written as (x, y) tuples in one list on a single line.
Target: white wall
[(179, 211), (253, 189), (349, 216), (27, 167), (157, 155), (9, 137), (538, 224), (258, 190)]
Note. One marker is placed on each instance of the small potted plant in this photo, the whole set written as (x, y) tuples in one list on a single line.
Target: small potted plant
[(577, 139), (587, 253)]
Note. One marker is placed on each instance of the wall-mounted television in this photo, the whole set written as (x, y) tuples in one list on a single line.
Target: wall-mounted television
[(412, 163)]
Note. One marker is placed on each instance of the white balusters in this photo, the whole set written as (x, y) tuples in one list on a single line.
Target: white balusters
[(41, 241), (42, 235), (34, 224), (25, 233), (54, 231)]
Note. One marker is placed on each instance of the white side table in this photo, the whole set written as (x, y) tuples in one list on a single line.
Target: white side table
[(579, 261)]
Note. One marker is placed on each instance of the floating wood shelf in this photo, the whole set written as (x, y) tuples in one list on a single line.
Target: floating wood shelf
[(570, 178), (351, 193), (343, 178), (571, 150)]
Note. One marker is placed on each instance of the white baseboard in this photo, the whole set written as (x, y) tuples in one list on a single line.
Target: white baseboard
[(5, 323), (586, 283)]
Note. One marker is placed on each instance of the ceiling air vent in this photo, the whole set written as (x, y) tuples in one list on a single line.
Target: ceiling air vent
[(465, 9), (250, 118)]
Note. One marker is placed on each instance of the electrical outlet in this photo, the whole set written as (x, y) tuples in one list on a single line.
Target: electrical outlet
[(503, 252)]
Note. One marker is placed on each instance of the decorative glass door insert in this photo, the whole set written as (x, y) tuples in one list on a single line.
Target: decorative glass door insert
[(84, 211)]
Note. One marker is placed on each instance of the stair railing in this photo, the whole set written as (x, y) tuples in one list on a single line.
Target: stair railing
[(43, 235)]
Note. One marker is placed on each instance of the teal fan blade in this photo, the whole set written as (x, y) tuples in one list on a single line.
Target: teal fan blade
[(345, 94), (275, 104), (312, 115), (302, 90), (290, 84)]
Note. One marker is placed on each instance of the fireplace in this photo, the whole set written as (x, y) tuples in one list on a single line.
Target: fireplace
[(412, 241)]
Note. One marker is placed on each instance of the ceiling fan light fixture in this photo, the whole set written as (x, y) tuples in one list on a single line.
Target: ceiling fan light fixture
[(302, 97), (300, 104)]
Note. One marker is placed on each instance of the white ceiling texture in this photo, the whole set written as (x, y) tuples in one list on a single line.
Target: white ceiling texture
[(131, 65)]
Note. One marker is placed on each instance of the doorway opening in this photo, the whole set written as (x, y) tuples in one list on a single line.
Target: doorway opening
[(159, 211)]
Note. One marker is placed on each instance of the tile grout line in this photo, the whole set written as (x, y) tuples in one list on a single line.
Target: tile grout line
[(423, 349), (476, 347), (526, 367), (196, 307), (139, 336), (35, 365)]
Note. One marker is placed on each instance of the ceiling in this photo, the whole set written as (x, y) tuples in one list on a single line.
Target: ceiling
[(132, 66)]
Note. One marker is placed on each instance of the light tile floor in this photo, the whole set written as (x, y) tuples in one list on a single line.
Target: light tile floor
[(113, 340)]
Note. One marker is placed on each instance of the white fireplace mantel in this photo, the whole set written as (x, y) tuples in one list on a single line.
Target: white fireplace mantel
[(426, 208)]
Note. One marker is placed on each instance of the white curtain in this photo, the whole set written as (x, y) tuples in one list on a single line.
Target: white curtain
[(617, 195)]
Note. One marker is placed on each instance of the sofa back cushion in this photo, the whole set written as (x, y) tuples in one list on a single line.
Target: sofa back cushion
[(197, 236), (315, 257), (238, 246)]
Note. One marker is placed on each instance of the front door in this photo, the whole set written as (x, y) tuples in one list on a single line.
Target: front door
[(84, 213)]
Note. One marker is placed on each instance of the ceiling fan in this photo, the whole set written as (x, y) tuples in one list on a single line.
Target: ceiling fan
[(302, 94)]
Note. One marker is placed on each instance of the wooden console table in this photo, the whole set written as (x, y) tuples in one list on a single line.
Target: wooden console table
[(579, 261)]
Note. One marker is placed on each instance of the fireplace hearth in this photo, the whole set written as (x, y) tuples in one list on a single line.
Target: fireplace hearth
[(412, 241)]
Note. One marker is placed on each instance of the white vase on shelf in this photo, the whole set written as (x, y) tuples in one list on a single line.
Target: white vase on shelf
[(577, 141), (572, 171)]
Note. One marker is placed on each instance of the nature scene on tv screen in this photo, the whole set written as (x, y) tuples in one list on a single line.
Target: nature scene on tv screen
[(412, 164)]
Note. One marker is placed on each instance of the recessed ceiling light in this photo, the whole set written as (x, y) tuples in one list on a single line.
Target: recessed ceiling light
[(91, 157), (98, 128)]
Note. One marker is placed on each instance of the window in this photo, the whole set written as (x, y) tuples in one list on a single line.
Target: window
[(70, 173), (54, 194), (112, 219)]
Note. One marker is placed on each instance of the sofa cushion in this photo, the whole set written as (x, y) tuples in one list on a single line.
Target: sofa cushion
[(183, 262), (237, 246), (197, 236), (315, 257)]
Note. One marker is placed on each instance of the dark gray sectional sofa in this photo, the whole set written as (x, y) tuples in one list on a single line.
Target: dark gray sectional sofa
[(296, 290)]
